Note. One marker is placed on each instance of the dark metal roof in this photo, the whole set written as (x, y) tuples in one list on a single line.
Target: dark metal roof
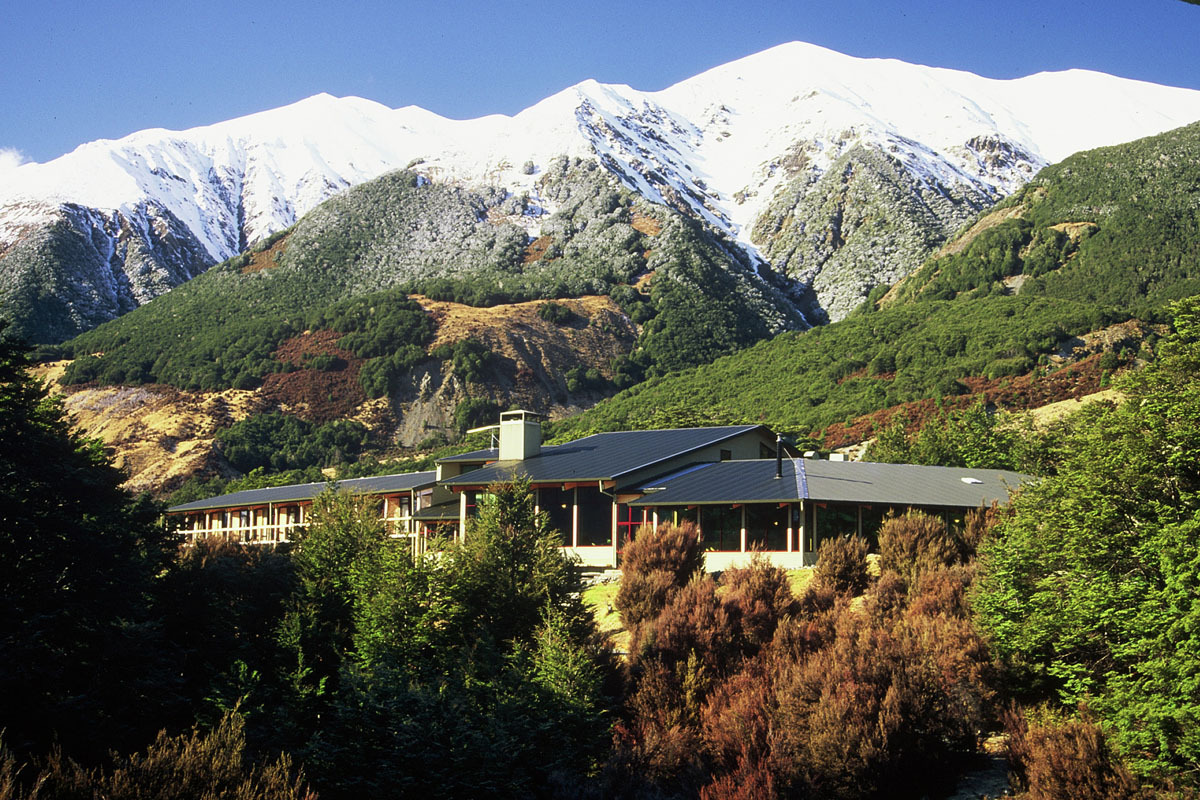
[(601, 456), (474, 455), (442, 512), (832, 481), (376, 484)]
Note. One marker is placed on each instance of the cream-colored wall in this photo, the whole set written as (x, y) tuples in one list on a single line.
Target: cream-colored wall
[(715, 561)]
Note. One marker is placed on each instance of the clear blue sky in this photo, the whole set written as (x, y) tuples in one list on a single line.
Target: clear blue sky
[(77, 70)]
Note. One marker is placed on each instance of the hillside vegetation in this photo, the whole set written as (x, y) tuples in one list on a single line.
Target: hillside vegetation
[(1105, 236), (1117, 227), (399, 235), (802, 382)]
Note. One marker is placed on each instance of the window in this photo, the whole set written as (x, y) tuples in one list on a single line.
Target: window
[(872, 520), (833, 520), (558, 505), (721, 528), (766, 527), (474, 498), (628, 521), (677, 515), (595, 517), (726, 455)]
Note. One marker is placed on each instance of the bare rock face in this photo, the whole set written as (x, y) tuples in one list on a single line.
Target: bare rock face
[(529, 356), (864, 222)]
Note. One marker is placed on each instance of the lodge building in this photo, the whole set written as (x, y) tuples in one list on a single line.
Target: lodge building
[(740, 484)]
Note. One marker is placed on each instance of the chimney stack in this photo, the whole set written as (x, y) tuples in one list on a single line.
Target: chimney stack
[(520, 435), (778, 456)]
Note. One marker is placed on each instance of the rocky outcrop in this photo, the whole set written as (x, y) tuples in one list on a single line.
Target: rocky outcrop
[(864, 222)]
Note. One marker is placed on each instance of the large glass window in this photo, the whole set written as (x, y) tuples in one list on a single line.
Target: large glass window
[(721, 528), (766, 527), (835, 520), (872, 520), (595, 517), (558, 507), (677, 515)]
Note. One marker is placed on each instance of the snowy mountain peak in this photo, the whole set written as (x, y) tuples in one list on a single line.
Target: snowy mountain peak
[(738, 146)]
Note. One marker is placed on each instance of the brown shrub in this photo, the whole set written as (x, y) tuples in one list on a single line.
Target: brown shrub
[(946, 656), (751, 780), (653, 566), (916, 543), (661, 743), (882, 707), (887, 598), (758, 595), (811, 628), (943, 591), (978, 526), (695, 621), (736, 721), (674, 548), (642, 597), (842, 565), (1054, 757)]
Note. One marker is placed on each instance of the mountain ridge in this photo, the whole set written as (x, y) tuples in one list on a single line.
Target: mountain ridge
[(722, 147)]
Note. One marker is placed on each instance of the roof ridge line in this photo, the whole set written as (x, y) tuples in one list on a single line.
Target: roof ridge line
[(730, 433)]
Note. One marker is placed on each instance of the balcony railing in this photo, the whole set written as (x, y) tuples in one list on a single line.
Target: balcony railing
[(283, 532)]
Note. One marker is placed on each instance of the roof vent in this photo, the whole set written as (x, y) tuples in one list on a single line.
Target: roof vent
[(971, 481)]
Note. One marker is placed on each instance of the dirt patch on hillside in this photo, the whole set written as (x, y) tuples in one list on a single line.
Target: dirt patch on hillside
[(1055, 411), (158, 435), (987, 222), (1075, 230), (322, 394), (456, 321), (266, 259), (644, 223), (536, 250), (1127, 336)]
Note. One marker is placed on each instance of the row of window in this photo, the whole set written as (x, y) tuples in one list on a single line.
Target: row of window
[(583, 517)]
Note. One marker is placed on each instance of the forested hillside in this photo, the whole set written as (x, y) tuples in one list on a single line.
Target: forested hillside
[(1117, 227), (1105, 236)]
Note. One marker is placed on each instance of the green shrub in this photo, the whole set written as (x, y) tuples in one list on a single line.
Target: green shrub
[(185, 767), (282, 442), (558, 314)]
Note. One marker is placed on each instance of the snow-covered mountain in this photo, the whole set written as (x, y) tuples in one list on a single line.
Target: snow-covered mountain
[(840, 173)]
